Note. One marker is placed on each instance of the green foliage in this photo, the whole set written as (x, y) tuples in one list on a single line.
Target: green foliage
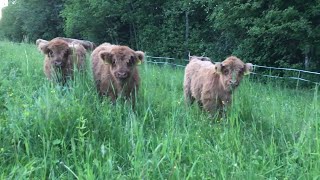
[(10, 24), (99, 21), (30, 20), (43, 19), (53, 132), (274, 33), (282, 33), (266, 33)]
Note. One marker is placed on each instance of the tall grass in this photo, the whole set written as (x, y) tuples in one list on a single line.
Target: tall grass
[(53, 132)]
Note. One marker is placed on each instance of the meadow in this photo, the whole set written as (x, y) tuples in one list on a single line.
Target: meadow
[(52, 132)]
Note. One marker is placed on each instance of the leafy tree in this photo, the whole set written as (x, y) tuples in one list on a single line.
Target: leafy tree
[(43, 20), (33, 19), (10, 24), (274, 33), (96, 20)]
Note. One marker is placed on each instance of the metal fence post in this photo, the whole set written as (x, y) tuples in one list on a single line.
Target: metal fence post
[(297, 85)]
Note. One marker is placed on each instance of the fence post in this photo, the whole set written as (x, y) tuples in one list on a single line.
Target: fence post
[(270, 74), (297, 85)]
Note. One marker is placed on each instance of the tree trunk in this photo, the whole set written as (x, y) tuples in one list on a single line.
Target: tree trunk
[(134, 30), (306, 61), (187, 32), (306, 58)]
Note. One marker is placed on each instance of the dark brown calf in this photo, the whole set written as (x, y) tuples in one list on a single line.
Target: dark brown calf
[(61, 57)]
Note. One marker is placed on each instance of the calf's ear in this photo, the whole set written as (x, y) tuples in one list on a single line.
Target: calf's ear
[(248, 68), (140, 56), (218, 66), (44, 48), (205, 59), (106, 56), (93, 46), (41, 41)]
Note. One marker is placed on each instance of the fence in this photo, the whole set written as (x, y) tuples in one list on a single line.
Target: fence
[(298, 78)]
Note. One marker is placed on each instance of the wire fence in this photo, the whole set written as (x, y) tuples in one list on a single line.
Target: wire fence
[(263, 71)]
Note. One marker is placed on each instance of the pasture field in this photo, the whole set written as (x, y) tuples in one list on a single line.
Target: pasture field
[(53, 132)]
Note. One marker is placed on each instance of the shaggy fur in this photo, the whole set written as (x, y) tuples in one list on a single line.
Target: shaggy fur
[(115, 71), (41, 43), (90, 46), (211, 85), (62, 57), (202, 58)]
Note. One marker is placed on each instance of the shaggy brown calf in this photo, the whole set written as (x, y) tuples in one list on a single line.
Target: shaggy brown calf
[(86, 44), (115, 70), (62, 57), (211, 85)]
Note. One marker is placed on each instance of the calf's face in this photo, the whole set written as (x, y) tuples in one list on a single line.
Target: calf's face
[(122, 60), (231, 71), (58, 52)]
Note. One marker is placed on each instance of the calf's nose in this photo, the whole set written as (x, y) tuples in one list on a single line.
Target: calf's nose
[(234, 83), (57, 63), (122, 75)]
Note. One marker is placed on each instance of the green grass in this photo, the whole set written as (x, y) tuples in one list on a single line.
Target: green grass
[(53, 132)]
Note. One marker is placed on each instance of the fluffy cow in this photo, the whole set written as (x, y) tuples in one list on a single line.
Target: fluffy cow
[(211, 85), (115, 70), (86, 44), (61, 57)]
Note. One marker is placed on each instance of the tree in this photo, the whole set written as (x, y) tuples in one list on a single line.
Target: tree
[(274, 33), (96, 20), (33, 19), (10, 24)]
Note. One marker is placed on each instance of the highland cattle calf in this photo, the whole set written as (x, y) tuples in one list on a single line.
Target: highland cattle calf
[(211, 85), (115, 71), (61, 58), (88, 45)]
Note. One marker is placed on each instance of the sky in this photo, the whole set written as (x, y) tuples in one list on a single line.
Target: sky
[(3, 3)]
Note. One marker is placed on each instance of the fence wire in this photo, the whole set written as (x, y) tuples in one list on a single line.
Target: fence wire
[(156, 61)]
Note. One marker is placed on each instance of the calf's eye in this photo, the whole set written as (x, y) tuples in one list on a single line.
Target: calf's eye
[(113, 63), (226, 71), (50, 53), (131, 61), (66, 54)]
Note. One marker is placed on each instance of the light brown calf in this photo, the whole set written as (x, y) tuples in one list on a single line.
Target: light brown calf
[(211, 85)]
